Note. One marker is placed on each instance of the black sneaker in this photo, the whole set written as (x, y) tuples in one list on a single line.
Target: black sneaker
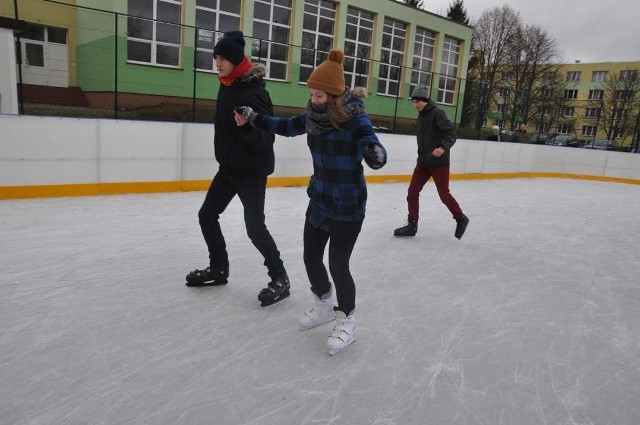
[(409, 230), (276, 290), (461, 225), (207, 277)]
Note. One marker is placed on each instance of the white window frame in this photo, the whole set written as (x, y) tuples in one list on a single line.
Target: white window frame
[(628, 75), (211, 34), (568, 111), (153, 41), (542, 127), (357, 64), (589, 130), (596, 94), (449, 70), (574, 75), (314, 11), (424, 48), (599, 76), (592, 113), (571, 94), (563, 129), (268, 60), (501, 107), (391, 57)]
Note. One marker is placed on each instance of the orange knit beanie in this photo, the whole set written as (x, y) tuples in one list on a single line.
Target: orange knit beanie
[(329, 75)]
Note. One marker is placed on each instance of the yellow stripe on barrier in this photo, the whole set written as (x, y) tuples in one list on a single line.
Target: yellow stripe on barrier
[(93, 189)]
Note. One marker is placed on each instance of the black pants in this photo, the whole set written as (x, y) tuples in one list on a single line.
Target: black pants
[(342, 236), (251, 192)]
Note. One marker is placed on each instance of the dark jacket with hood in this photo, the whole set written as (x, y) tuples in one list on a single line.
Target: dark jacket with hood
[(244, 151), (434, 131)]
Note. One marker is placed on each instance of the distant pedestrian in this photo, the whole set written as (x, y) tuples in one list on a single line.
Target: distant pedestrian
[(520, 135), (436, 136), (495, 134)]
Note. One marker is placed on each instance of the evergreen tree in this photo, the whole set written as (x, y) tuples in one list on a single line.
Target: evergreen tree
[(457, 12)]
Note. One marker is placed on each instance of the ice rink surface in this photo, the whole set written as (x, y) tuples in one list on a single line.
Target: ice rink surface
[(532, 318)]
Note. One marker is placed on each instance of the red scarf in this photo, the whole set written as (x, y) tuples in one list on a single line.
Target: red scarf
[(240, 69)]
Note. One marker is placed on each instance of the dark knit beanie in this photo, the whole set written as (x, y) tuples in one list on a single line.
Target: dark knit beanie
[(421, 92), (230, 47), (329, 75)]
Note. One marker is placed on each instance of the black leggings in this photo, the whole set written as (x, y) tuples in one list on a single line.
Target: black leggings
[(343, 237)]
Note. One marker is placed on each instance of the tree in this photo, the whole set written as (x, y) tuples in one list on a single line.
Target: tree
[(457, 12), (620, 104), (490, 44), (413, 3), (533, 63)]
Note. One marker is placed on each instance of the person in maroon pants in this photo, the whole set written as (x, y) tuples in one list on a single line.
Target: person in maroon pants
[(436, 136)]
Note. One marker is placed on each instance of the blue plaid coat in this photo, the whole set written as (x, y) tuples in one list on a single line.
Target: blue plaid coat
[(337, 189)]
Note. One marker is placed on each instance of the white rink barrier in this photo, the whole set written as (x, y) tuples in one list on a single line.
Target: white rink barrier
[(53, 156)]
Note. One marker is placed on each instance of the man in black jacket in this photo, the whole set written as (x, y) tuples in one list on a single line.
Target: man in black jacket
[(436, 136), (245, 156)]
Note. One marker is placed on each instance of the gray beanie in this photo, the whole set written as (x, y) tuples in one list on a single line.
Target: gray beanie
[(421, 92)]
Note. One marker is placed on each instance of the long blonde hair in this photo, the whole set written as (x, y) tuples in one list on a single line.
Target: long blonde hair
[(335, 106)]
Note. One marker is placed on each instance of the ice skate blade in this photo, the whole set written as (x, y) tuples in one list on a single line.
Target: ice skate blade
[(275, 301), (209, 283), (334, 352), (315, 325)]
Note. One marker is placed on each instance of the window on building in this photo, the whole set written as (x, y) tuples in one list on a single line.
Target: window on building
[(571, 94), (619, 114), (541, 127), (318, 27), (391, 56), (618, 132), (501, 107), (574, 75), (213, 18), (357, 47), (589, 130), (592, 112), (484, 122), (504, 92), (449, 70), (623, 94), (154, 32), (564, 128), (628, 75), (507, 76), (271, 29), (599, 76), (499, 123), (568, 111), (422, 62), (546, 93), (549, 77), (596, 94)]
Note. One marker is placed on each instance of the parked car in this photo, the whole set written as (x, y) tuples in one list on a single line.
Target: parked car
[(602, 144), (562, 140), (538, 138)]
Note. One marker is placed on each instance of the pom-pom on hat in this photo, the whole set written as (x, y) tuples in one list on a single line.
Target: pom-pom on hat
[(230, 47), (329, 75), (420, 92)]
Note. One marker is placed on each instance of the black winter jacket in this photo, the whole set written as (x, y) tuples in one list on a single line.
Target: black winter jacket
[(244, 151), (434, 131)]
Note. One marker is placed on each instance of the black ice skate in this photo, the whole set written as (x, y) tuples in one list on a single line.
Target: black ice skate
[(409, 230), (461, 225), (207, 277), (276, 290)]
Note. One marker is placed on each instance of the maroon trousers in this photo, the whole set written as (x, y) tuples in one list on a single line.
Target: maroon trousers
[(441, 178)]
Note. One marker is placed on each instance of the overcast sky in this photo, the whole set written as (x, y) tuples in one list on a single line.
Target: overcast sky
[(588, 30)]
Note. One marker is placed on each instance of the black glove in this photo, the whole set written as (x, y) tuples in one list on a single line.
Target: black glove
[(248, 113), (374, 156)]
